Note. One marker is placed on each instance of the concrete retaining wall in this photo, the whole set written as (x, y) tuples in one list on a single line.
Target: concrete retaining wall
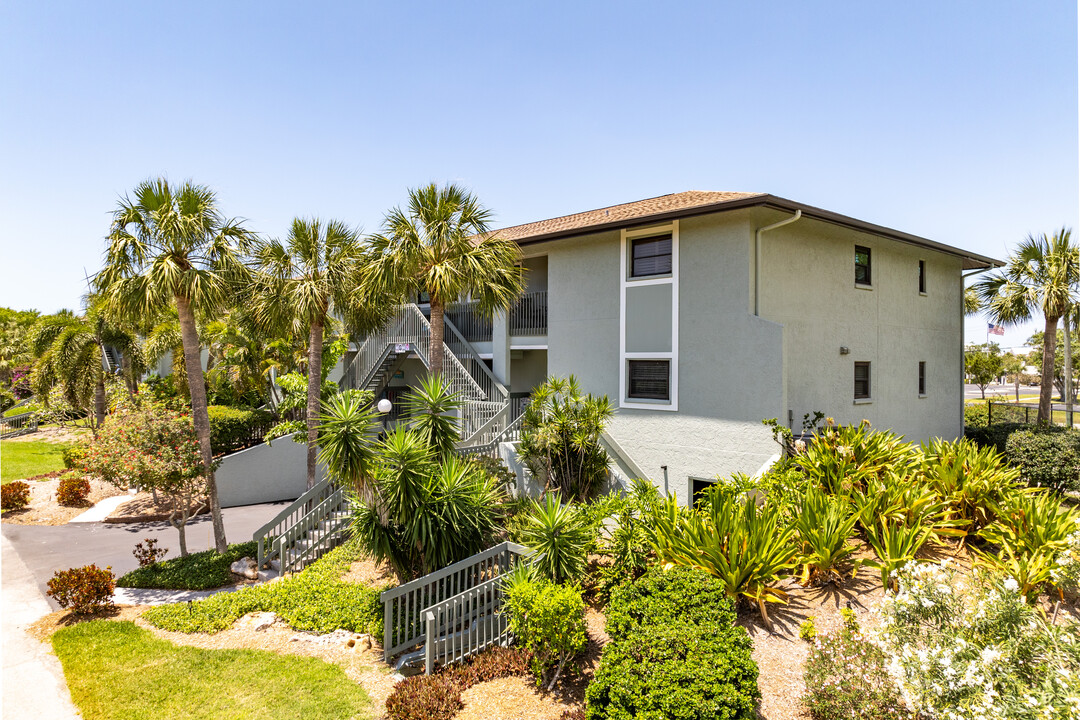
[(264, 473)]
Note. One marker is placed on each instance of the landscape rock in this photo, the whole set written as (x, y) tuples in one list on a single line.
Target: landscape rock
[(257, 621), (245, 567)]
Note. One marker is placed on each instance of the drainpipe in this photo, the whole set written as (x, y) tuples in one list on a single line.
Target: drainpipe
[(757, 256)]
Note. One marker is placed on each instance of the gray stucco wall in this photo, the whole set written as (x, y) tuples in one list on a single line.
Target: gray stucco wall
[(264, 473), (809, 287), (730, 363)]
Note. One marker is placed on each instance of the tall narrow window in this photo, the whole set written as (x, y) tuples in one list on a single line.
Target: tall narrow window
[(862, 265), (862, 381), (922, 377), (649, 379), (922, 276), (650, 256)]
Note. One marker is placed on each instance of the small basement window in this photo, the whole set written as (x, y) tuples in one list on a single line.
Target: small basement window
[(922, 377), (862, 265), (650, 256), (649, 380), (862, 381)]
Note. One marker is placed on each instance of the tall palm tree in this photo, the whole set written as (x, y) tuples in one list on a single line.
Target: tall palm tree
[(71, 355), (169, 245), (972, 303), (1041, 276), (441, 244), (302, 284)]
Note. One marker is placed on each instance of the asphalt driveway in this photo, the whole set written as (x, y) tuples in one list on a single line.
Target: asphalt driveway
[(45, 549)]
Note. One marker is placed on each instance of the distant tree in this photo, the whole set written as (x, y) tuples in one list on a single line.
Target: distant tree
[(1041, 276), (1013, 367), (441, 244), (1036, 342), (170, 246), (984, 364), (15, 326)]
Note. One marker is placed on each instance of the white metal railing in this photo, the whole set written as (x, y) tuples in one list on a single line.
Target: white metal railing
[(267, 536), (488, 443), (404, 623), (465, 624), (530, 315), (21, 424), (317, 532), (469, 359), (473, 326)]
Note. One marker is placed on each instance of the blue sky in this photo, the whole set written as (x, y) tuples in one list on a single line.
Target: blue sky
[(956, 121)]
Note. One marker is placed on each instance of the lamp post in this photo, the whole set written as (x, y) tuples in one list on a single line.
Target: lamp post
[(384, 407)]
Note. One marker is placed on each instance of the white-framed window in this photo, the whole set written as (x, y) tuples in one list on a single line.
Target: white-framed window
[(649, 270)]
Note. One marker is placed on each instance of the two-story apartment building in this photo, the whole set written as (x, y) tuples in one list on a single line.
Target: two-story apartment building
[(701, 313)]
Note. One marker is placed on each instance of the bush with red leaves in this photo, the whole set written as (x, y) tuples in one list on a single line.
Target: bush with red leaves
[(14, 496), (85, 590), (73, 489)]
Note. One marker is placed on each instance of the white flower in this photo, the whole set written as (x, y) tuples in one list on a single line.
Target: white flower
[(1011, 585)]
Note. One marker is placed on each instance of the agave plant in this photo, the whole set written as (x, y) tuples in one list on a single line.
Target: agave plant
[(559, 536), (895, 544), (824, 526), (970, 479), (731, 538), (845, 458)]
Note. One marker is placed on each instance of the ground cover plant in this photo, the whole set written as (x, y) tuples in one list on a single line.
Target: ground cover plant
[(28, 458), (197, 571), (315, 599), (675, 652), (117, 670)]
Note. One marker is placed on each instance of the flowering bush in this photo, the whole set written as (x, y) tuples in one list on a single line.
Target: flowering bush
[(847, 677), (151, 448), (20, 382), (85, 590), (978, 650), (73, 489), (14, 495)]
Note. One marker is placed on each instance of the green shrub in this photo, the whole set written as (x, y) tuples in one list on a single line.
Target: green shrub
[(85, 590), (233, 428), (315, 599), (549, 621), (995, 435), (198, 571), (976, 414), (825, 526), (438, 696), (846, 677), (1047, 457), (73, 455), (807, 629), (560, 535), (675, 652), (73, 490), (14, 495), (666, 596), (624, 541), (676, 670)]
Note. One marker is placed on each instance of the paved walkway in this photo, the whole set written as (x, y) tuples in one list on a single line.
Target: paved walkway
[(33, 684)]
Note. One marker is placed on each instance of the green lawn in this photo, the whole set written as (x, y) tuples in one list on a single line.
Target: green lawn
[(118, 670), (20, 460)]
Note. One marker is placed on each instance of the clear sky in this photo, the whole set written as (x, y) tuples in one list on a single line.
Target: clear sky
[(956, 121)]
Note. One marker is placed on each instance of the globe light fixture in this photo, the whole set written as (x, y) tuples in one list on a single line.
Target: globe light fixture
[(385, 406)]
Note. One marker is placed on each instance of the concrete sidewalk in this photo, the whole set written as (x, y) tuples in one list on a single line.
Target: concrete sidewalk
[(33, 682)]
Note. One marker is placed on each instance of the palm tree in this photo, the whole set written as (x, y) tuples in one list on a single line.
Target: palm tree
[(303, 283), (1041, 275), (71, 355), (170, 246), (972, 303), (441, 244)]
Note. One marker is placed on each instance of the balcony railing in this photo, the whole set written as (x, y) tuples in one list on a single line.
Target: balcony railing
[(530, 315), (472, 326)]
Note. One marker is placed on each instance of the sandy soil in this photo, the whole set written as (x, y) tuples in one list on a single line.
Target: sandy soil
[(54, 435), (142, 508), (43, 508)]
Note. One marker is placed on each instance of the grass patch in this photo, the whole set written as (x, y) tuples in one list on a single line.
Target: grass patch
[(19, 460), (315, 599), (198, 571), (13, 411), (118, 670)]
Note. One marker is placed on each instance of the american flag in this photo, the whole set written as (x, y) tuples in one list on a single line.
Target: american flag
[(995, 329)]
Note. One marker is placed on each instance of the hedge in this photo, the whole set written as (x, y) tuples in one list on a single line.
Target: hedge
[(1046, 457), (235, 428), (674, 653), (995, 435)]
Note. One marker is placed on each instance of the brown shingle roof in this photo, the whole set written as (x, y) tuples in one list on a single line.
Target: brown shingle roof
[(620, 213), (696, 202)]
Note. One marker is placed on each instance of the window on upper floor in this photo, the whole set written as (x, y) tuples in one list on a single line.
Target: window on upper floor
[(862, 381), (922, 377), (922, 276), (862, 265), (649, 380), (650, 256)]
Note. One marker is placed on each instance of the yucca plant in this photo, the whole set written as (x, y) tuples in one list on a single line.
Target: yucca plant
[(559, 536), (844, 458), (731, 538), (824, 526), (895, 544), (970, 479), (431, 409)]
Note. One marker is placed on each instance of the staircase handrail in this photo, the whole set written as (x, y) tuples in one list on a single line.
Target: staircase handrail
[(322, 512), (620, 457), (289, 516), (486, 376)]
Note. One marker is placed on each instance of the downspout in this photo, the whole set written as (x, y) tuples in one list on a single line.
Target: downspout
[(963, 356), (757, 256)]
